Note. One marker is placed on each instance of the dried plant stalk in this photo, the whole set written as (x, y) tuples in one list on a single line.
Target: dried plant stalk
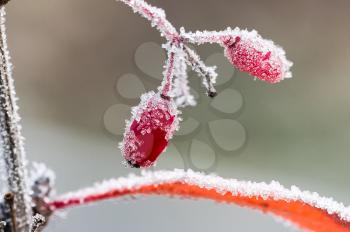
[(11, 140)]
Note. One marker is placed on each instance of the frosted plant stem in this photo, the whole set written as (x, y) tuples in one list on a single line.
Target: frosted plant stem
[(158, 19), (307, 210), (168, 74), (11, 140), (181, 91), (208, 73), (155, 15)]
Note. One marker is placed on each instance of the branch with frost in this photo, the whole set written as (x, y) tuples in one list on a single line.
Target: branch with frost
[(307, 210), (158, 19), (11, 150), (168, 73), (181, 91), (208, 73), (152, 124)]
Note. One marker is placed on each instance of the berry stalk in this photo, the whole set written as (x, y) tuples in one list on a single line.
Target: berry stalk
[(168, 75)]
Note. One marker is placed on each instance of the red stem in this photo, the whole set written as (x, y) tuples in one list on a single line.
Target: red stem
[(168, 74), (155, 15), (302, 214)]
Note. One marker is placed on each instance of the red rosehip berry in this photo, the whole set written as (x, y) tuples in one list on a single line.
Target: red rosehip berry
[(249, 52), (153, 123)]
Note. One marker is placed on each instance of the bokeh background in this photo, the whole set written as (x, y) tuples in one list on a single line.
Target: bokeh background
[(69, 54)]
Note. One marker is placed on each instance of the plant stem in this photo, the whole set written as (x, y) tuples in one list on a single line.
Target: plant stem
[(307, 210), (11, 141), (158, 19), (208, 73), (168, 75)]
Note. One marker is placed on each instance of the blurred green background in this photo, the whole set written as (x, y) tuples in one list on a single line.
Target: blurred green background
[(68, 56)]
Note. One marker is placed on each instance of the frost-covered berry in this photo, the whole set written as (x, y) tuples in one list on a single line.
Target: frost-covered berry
[(261, 58), (153, 123)]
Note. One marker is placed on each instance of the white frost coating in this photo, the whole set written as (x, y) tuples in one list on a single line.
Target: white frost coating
[(158, 19), (169, 67), (152, 100), (180, 90), (272, 190), (155, 15), (208, 73), (11, 140), (148, 114), (261, 44), (42, 181)]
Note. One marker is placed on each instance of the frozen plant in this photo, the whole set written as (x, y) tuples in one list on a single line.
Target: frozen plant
[(307, 210), (29, 200), (156, 118)]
